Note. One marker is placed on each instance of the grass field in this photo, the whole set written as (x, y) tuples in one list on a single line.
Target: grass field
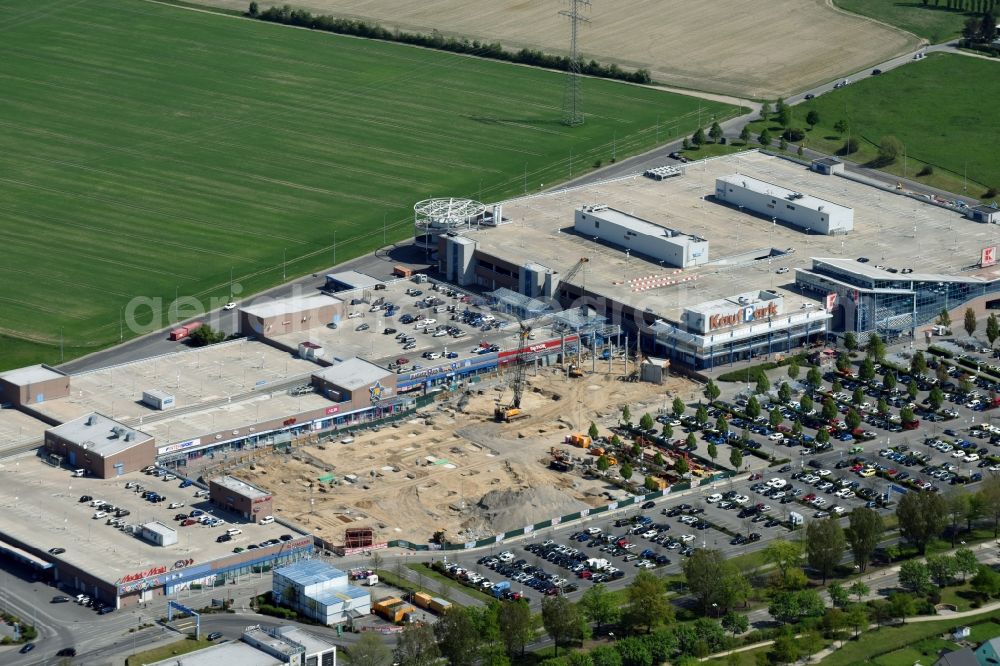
[(926, 105), (935, 23), (727, 46), (150, 150), (167, 651)]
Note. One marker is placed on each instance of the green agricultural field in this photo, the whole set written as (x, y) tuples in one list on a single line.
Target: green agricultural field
[(934, 20), (150, 150), (928, 106)]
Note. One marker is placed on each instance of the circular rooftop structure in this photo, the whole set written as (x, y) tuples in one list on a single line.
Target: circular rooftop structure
[(435, 217)]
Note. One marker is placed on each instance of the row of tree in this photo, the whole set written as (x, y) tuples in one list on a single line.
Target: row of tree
[(493, 50)]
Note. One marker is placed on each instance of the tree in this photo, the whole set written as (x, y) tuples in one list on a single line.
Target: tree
[(605, 655), (678, 407), (859, 590), (667, 432), (647, 604), (866, 371), (966, 562), (858, 397), (971, 29), (824, 545), (841, 127), (369, 650), (921, 517), (797, 428), (254, 10), (788, 606), (634, 652), (715, 132), (793, 369), (830, 410), (810, 643), (902, 606), (765, 110), (918, 364), (882, 406), (906, 415), (764, 138), (736, 458), (516, 625), (889, 148), (579, 659), (699, 137), (602, 464), (713, 451), (205, 335), (713, 579), (992, 328), (812, 118), (417, 646), (889, 381), (822, 436), (814, 378), (912, 389), (691, 442), (914, 576), (737, 623), (857, 617), (863, 534), (626, 471), (935, 398), (775, 418), (784, 555), (941, 569), (745, 135), (646, 422), (782, 143), (593, 432), (944, 319), (701, 415), (626, 415), (852, 419), (753, 407), (875, 349), (986, 581), (843, 363), (681, 466), (850, 342), (970, 321), (712, 391), (458, 636), (806, 403), (784, 115), (599, 606), (562, 621), (785, 649), (838, 594), (763, 384), (784, 392), (990, 495)]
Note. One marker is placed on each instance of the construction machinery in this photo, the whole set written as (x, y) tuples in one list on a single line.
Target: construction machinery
[(575, 371), (507, 412)]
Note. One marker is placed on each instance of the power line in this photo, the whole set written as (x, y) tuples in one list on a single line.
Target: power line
[(572, 98)]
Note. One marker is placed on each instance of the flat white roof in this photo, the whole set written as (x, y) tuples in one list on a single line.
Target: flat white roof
[(354, 279), (242, 487), (97, 433), (354, 373), (311, 642), (871, 270), (637, 224), (275, 307), (32, 374), (225, 653), (728, 303), (779, 192), (160, 528)]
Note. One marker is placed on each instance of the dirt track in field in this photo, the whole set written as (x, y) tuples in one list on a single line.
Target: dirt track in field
[(740, 47)]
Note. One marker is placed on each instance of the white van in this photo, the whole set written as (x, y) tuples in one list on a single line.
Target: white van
[(234, 531), (266, 520), (79, 472)]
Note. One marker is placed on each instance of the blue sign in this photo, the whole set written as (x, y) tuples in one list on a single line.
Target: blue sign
[(898, 489)]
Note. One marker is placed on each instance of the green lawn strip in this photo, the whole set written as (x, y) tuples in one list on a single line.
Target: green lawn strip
[(880, 642), (271, 141), (906, 103), (934, 22), (166, 652), (430, 574)]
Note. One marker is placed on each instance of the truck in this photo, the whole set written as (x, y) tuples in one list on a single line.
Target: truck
[(433, 604), (597, 564), (575, 371), (184, 331)]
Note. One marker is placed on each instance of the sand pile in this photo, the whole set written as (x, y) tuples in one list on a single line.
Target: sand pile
[(505, 510)]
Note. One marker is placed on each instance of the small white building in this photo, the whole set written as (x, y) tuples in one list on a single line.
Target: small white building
[(159, 534), (319, 591), (780, 203), (672, 247)]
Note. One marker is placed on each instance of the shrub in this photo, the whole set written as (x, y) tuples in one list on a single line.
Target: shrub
[(850, 146), (990, 193), (794, 134), (926, 171)]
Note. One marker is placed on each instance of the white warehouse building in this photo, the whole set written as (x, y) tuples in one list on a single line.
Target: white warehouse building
[(795, 208), (672, 247)]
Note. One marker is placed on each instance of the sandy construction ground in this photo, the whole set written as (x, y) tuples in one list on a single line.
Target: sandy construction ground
[(739, 47), (432, 472)]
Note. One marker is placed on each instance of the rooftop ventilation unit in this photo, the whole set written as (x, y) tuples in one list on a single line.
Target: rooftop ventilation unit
[(92, 420)]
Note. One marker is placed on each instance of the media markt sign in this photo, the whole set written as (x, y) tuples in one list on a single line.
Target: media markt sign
[(744, 315)]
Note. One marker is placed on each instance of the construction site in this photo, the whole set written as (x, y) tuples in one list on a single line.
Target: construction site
[(452, 472)]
